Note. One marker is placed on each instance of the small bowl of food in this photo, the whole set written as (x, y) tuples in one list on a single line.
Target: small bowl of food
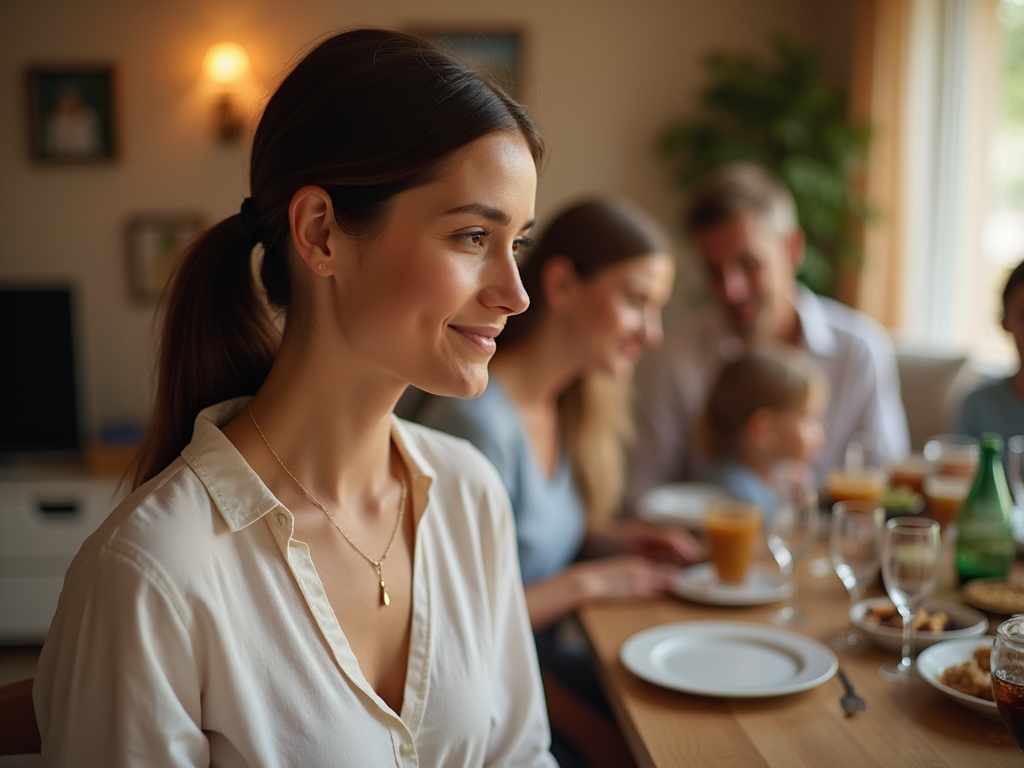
[(961, 670), (934, 623)]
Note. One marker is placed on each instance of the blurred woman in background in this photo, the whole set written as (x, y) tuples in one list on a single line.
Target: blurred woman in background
[(554, 420)]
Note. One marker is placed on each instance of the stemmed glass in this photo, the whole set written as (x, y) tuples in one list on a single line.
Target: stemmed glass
[(910, 571), (792, 529), (855, 548)]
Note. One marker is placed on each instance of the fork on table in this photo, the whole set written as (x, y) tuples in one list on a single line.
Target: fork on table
[(852, 703)]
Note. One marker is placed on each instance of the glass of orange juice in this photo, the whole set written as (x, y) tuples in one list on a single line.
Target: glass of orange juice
[(954, 455), (943, 496), (911, 471), (845, 484), (732, 528)]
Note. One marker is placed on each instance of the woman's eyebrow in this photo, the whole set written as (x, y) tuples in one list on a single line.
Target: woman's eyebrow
[(492, 214)]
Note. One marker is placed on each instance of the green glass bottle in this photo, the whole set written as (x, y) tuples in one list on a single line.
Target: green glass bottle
[(984, 544)]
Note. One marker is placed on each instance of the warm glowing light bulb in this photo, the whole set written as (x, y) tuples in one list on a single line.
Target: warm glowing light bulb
[(226, 63)]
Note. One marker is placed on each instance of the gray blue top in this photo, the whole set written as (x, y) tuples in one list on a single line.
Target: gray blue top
[(549, 513), (743, 483), (992, 407)]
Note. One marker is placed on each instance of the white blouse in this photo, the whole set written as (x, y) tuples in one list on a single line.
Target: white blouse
[(193, 629)]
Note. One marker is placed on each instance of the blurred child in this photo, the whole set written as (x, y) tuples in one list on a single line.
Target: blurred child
[(998, 406), (765, 408)]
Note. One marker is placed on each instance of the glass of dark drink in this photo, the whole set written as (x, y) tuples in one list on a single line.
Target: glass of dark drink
[(1007, 666)]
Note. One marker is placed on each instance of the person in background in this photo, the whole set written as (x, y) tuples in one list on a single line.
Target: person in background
[(764, 408), (554, 419), (743, 222), (998, 406), (308, 580)]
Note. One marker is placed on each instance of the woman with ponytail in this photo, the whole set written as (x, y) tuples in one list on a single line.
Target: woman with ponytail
[(299, 578), (554, 420)]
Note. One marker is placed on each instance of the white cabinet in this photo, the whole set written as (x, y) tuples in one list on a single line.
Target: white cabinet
[(45, 515)]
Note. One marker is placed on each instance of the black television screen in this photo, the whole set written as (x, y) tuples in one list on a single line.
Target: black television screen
[(38, 397)]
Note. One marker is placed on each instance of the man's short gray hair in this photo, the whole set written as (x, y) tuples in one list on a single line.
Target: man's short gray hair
[(739, 188)]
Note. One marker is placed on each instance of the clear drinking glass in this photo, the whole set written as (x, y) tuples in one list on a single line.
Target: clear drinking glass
[(791, 531), (1014, 465), (855, 548), (1007, 665), (910, 572)]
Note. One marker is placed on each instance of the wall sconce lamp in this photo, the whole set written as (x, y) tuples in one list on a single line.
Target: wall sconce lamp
[(226, 70)]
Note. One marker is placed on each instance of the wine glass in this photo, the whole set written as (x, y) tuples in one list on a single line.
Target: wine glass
[(855, 548), (1014, 464), (792, 529), (910, 572), (1007, 665)]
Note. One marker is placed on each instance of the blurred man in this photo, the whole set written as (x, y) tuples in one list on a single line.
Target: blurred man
[(743, 222)]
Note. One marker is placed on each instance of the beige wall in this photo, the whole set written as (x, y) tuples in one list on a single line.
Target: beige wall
[(602, 77)]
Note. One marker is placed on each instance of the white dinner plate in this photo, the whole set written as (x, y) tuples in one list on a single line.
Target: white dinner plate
[(932, 662), (728, 659), (762, 585), (678, 504)]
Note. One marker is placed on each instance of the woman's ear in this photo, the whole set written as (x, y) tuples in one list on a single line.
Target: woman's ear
[(762, 429), (311, 218), (558, 281)]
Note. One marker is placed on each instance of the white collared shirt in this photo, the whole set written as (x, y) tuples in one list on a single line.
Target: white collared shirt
[(853, 350), (193, 629)]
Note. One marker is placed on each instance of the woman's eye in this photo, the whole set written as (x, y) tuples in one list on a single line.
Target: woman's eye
[(475, 239)]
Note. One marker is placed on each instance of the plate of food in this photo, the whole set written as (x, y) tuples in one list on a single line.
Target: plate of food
[(960, 669), (728, 659), (681, 504), (995, 595), (935, 622)]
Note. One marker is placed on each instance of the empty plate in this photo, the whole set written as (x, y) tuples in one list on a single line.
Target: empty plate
[(730, 659)]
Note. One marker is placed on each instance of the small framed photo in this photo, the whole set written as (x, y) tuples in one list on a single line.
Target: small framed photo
[(72, 113), (155, 241), (496, 54)]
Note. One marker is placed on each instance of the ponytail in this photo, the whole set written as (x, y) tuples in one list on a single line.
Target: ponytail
[(218, 341)]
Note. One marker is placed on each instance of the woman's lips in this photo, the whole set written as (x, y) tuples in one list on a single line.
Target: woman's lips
[(482, 336)]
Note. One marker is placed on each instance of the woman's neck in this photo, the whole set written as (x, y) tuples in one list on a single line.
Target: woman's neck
[(537, 370), (330, 427)]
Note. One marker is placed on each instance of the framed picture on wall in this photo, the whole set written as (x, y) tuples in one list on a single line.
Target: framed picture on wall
[(155, 241), (72, 113), (496, 54)]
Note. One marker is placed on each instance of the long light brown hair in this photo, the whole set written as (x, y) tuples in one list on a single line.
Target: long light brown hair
[(594, 413), (366, 115), (775, 377)]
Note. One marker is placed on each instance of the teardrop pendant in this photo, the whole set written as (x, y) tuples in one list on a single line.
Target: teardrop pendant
[(384, 599)]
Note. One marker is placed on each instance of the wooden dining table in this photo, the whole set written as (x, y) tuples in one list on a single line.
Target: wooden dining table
[(904, 724)]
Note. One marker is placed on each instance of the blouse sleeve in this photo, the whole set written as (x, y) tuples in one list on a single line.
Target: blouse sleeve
[(520, 733), (137, 700)]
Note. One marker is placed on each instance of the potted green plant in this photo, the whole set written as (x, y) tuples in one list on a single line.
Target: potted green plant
[(780, 114)]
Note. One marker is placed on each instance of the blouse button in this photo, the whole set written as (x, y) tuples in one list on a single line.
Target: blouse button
[(406, 749), (282, 519)]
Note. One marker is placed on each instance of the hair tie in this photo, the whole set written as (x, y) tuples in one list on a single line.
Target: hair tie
[(251, 221)]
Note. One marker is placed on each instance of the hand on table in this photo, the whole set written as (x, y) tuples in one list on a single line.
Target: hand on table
[(654, 542), (624, 576)]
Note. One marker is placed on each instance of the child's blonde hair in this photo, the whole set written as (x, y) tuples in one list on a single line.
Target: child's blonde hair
[(771, 376)]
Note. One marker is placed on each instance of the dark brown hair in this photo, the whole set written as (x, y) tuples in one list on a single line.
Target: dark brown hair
[(366, 115), (1016, 278), (594, 412), (739, 188)]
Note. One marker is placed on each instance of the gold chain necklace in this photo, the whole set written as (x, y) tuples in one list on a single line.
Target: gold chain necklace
[(378, 564)]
